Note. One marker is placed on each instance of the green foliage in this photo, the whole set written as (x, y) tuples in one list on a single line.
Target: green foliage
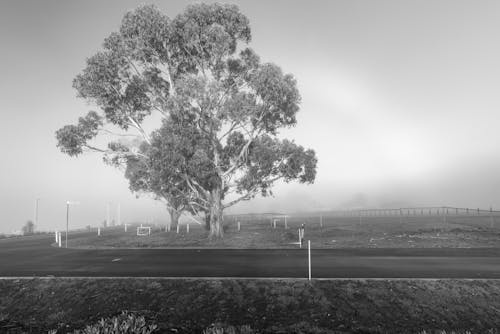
[(125, 323), (72, 139)]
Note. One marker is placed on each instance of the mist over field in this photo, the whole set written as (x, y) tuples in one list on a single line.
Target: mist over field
[(402, 110)]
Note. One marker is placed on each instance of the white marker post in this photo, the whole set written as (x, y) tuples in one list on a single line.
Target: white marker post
[(98, 231), (300, 238), (60, 243), (309, 256), (274, 223), (125, 227), (177, 228), (56, 236), (239, 226), (321, 221), (286, 225), (187, 228)]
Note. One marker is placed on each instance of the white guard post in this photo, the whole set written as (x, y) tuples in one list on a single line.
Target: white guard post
[(98, 231), (309, 256), (59, 241)]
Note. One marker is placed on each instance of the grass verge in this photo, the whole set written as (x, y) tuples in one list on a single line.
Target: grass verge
[(266, 306), (375, 232)]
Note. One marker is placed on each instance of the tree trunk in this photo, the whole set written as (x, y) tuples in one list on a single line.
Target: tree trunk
[(207, 221), (216, 214), (174, 218)]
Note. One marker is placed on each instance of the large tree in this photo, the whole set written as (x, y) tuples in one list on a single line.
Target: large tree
[(221, 106)]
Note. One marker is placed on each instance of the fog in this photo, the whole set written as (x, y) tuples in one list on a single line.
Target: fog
[(399, 101)]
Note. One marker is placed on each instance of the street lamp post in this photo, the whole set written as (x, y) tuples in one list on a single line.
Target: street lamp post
[(36, 210), (67, 223)]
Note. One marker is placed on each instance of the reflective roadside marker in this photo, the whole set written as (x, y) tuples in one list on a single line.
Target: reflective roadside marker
[(309, 256)]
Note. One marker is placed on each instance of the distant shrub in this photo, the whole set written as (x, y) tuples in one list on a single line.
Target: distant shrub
[(125, 323), (28, 228)]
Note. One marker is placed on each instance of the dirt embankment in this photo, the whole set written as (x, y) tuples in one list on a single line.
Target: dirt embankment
[(267, 306)]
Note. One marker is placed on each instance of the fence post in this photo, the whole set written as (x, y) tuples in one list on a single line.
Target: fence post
[(239, 226), (98, 231), (309, 256), (274, 223), (56, 236), (60, 244), (187, 228)]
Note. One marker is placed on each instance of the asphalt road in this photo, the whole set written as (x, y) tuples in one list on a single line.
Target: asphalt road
[(33, 256)]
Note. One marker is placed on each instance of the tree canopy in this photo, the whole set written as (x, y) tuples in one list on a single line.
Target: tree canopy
[(222, 110)]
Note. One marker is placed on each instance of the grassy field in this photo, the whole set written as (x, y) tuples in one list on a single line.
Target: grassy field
[(265, 306), (332, 232)]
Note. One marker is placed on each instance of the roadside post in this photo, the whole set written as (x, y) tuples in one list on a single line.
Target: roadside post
[(286, 225), (177, 228), (239, 226), (56, 236), (274, 223), (491, 217), (300, 238), (321, 221), (187, 228), (98, 231), (59, 242), (309, 257)]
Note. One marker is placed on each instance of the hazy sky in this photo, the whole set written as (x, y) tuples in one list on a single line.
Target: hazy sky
[(400, 100)]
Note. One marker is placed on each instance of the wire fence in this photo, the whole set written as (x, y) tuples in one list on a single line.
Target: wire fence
[(420, 226)]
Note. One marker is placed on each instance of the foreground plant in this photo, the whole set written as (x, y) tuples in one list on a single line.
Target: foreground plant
[(125, 323)]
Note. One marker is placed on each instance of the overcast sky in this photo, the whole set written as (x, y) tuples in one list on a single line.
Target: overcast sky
[(400, 100)]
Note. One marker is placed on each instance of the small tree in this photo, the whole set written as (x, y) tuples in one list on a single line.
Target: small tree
[(28, 228), (221, 107)]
